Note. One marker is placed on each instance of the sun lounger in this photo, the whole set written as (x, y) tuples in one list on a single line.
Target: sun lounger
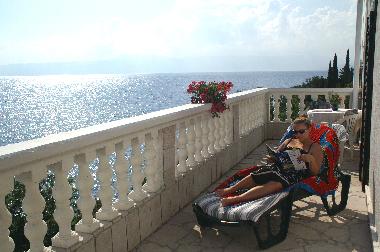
[(263, 214)]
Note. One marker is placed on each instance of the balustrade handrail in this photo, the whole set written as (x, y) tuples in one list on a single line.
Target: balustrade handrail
[(311, 90), (17, 154)]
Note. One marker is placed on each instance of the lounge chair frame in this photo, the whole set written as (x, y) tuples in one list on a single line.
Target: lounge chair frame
[(284, 207)]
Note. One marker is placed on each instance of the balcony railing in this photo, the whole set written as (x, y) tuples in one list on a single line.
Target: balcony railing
[(121, 163)]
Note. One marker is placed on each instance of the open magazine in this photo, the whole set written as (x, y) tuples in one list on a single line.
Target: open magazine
[(287, 158)]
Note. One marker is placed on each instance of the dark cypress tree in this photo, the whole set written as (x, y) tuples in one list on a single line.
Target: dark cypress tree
[(346, 73), (329, 77), (335, 77)]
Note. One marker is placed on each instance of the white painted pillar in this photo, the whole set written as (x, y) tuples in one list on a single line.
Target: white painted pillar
[(137, 193), (190, 143), (205, 141), (152, 170), (182, 152), (6, 186), (86, 202), (302, 104), (211, 138), (63, 213), (288, 107), (216, 133), (276, 108), (33, 205), (198, 140), (107, 212), (222, 130), (121, 170)]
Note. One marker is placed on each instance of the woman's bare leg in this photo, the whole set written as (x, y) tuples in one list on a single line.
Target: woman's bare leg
[(253, 193), (246, 182)]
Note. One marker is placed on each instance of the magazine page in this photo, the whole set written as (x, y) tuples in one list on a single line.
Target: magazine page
[(293, 155)]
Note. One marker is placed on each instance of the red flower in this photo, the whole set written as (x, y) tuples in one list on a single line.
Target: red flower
[(212, 92)]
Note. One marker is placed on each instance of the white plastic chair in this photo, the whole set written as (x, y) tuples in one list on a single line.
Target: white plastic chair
[(352, 125)]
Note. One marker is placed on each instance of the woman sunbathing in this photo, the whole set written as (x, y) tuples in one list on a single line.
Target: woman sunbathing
[(274, 177)]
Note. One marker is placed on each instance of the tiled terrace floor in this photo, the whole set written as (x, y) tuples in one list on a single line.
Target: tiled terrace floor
[(311, 229)]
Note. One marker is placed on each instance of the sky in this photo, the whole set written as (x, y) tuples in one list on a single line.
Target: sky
[(175, 35)]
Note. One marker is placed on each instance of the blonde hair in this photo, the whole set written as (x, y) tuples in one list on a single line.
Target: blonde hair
[(302, 119)]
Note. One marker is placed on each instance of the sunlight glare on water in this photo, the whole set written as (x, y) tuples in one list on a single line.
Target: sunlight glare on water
[(36, 106)]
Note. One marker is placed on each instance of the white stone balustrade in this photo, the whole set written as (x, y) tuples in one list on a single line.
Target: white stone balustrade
[(302, 93), (200, 136)]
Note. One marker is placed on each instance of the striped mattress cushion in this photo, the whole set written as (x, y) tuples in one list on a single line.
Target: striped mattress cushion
[(251, 210)]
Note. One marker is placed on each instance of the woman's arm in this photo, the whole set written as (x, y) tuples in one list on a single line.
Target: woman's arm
[(284, 144)]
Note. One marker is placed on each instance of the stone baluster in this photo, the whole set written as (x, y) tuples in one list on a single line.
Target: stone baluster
[(247, 117), (262, 110), (251, 113), (342, 98), (121, 169), (259, 111), (255, 112), (288, 108), (152, 170), (222, 130), (137, 193), (63, 213), (211, 137), (205, 142), (229, 121), (216, 121), (314, 97), (107, 212), (182, 152), (33, 205), (243, 119), (302, 104), (327, 98), (190, 143), (276, 108), (86, 202), (198, 140), (6, 242)]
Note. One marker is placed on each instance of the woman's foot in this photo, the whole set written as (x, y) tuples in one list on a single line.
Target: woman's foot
[(224, 191)]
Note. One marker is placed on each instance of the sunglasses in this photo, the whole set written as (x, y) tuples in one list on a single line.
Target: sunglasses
[(301, 131)]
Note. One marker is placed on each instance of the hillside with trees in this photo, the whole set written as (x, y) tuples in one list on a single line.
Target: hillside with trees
[(335, 79)]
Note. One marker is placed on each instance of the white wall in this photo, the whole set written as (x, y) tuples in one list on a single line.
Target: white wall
[(374, 178)]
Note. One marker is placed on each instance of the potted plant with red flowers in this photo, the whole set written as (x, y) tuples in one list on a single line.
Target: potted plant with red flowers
[(212, 92)]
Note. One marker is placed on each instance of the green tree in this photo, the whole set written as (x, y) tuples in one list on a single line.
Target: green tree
[(334, 73), (346, 73)]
